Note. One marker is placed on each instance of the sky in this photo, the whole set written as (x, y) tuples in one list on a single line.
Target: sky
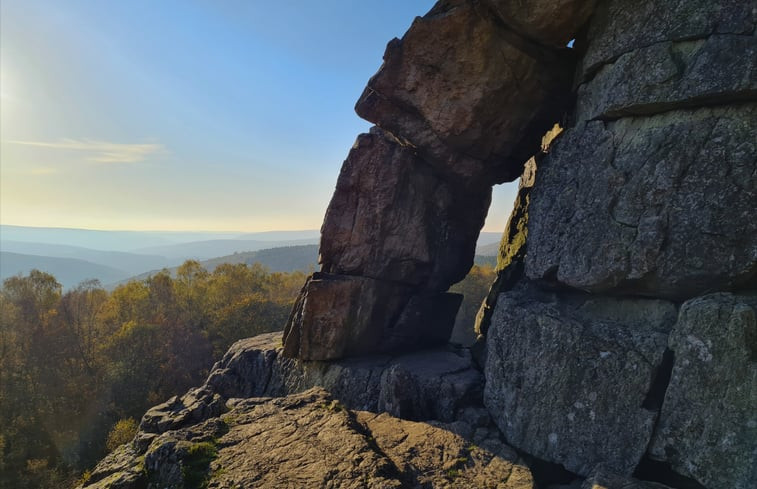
[(215, 115)]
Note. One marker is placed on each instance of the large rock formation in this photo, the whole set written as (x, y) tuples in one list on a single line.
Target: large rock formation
[(643, 205), (462, 101), (619, 341)]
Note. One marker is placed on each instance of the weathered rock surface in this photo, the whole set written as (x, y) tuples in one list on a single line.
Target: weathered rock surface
[(708, 425), (620, 26), (668, 75), (660, 206), (433, 384), (550, 22), (338, 316), (393, 218), (471, 96), (310, 440), (343, 315), (554, 369)]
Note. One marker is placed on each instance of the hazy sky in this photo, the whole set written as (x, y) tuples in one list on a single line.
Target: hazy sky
[(186, 114)]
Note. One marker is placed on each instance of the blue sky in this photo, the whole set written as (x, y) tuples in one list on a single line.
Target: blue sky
[(185, 115)]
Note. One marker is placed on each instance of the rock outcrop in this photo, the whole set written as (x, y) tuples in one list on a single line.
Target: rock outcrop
[(619, 341), (460, 103), (311, 440), (642, 208), (259, 422)]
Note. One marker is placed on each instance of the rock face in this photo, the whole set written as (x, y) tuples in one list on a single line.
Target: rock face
[(384, 190), (716, 70), (622, 26), (708, 425), (460, 103), (547, 22), (554, 364), (484, 130), (660, 206), (642, 207)]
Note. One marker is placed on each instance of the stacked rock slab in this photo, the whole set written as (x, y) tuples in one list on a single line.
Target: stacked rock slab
[(628, 339), (460, 103)]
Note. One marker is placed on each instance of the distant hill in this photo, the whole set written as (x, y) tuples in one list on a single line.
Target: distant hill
[(482, 260), (489, 237), (131, 262), (104, 240), (308, 234), (68, 271), (203, 250), (281, 259), (491, 249)]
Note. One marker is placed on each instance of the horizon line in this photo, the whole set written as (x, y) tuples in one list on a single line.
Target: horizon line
[(206, 231)]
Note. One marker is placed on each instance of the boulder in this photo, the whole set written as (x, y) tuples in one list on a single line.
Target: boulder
[(472, 97), (393, 218), (660, 206), (669, 75), (548, 22), (621, 26), (341, 315), (569, 378), (708, 425)]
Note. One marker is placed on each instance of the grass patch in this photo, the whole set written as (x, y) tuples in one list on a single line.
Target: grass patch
[(196, 464)]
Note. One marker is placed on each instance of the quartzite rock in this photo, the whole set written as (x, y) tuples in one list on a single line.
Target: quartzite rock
[(566, 376), (708, 425), (310, 440), (473, 97), (341, 315), (668, 75), (621, 26), (660, 206), (551, 22), (392, 218), (442, 455)]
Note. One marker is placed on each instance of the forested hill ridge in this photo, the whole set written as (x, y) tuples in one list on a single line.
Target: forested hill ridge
[(282, 251)]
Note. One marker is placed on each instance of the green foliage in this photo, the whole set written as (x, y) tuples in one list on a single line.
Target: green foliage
[(196, 465), (73, 364), (123, 432)]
